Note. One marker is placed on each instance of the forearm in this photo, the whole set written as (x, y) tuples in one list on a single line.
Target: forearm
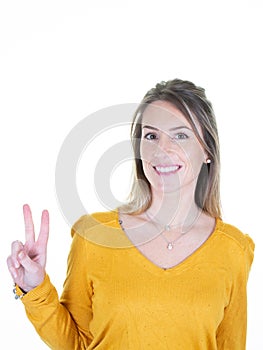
[(51, 319)]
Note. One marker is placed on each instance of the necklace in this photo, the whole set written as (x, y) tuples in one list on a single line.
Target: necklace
[(170, 244), (166, 227)]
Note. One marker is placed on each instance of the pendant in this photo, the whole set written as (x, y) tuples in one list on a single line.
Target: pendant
[(167, 227), (170, 246)]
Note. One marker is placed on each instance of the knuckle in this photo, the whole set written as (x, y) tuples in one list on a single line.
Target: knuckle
[(16, 245)]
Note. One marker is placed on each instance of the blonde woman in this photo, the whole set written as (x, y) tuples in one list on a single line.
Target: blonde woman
[(162, 271)]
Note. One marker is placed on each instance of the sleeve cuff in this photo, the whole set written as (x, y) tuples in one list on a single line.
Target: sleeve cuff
[(35, 294)]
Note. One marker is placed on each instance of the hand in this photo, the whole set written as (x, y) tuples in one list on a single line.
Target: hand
[(27, 261)]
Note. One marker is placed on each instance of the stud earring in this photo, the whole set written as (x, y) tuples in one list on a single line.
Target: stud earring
[(208, 161)]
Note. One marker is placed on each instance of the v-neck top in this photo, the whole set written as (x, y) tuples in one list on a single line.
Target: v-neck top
[(115, 298)]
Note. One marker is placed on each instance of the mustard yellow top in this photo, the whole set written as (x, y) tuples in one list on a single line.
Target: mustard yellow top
[(115, 298)]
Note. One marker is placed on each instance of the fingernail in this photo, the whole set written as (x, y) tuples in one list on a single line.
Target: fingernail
[(21, 255), (17, 264)]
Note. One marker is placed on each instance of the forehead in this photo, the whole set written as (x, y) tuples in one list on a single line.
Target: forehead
[(164, 115)]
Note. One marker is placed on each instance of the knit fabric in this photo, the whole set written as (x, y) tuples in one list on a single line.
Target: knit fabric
[(114, 298)]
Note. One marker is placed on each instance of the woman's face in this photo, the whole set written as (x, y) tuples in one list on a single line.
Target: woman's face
[(170, 152)]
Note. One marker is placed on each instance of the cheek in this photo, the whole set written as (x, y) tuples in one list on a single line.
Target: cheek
[(147, 150), (193, 149), (196, 156)]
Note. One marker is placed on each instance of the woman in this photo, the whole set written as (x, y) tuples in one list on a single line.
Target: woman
[(161, 272)]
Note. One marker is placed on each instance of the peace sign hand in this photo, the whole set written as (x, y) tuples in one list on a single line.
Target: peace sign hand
[(27, 261)]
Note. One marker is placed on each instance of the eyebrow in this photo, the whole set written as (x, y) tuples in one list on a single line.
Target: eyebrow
[(172, 129)]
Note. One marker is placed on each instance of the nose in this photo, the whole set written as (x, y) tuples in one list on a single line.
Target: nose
[(165, 148), (165, 143)]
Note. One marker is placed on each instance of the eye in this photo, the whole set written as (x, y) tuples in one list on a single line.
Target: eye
[(180, 136), (150, 136)]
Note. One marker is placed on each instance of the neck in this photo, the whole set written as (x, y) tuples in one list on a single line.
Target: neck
[(178, 209)]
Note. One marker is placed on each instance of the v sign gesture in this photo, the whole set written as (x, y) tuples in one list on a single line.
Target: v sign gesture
[(27, 261)]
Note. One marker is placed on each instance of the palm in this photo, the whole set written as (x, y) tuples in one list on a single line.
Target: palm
[(34, 253)]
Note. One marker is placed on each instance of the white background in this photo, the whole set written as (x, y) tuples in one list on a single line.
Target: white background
[(62, 60)]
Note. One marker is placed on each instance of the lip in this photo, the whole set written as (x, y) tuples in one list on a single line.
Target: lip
[(167, 169)]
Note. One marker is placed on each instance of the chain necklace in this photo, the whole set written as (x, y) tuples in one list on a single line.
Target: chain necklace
[(166, 227)]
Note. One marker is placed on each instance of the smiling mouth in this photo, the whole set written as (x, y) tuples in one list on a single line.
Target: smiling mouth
[(167, 170)]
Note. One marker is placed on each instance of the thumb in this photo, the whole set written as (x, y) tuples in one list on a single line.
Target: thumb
[(28, 264)]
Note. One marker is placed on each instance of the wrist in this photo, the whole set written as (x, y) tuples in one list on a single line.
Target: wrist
[(19, 292)]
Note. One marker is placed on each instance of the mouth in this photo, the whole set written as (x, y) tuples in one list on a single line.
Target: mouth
[(167, 169)]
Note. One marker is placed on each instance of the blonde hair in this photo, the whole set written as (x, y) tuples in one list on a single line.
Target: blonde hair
[(193, 104)]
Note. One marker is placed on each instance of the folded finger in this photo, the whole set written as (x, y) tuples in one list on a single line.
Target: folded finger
[(11, 267), (16, 247)]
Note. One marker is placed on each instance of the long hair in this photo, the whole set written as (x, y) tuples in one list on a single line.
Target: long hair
[(191, 101)]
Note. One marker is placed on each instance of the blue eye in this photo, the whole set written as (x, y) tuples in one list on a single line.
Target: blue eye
[(180, 136)]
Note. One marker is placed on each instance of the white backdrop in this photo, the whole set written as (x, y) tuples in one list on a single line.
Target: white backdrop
[(62, 60)]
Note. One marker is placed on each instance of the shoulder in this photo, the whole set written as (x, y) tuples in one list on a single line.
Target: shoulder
[(234, 234), (235, 241), (101, 228), (88, 221)]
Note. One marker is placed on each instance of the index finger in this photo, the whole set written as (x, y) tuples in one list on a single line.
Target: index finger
[(29, 225)]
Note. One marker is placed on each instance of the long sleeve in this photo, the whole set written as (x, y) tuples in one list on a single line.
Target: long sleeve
[(63, 324), (114, 297), (231, 333)]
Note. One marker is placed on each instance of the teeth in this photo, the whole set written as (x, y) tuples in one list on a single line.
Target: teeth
[(167, 169)]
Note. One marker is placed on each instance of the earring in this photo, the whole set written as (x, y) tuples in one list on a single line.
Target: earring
[(208, 161)]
